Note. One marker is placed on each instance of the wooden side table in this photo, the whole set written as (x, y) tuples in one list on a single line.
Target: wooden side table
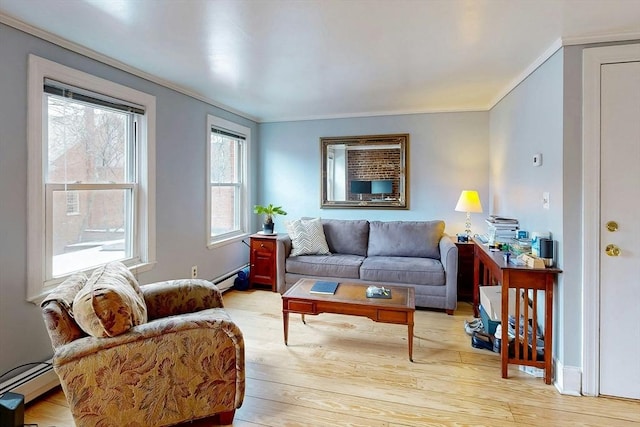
[(262, 260), (491, 268), (465, 271)]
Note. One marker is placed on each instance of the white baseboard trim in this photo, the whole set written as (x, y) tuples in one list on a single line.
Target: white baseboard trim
[(226, 281), (568, 379), (226, 284), (32, 382)]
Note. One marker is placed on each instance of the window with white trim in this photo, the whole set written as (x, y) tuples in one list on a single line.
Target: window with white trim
[(91, 145), (227, 213)]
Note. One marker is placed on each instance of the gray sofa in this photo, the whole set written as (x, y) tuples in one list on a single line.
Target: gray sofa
[(414, 253)]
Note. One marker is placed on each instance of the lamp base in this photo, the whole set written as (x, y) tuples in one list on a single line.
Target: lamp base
[(467, 225)]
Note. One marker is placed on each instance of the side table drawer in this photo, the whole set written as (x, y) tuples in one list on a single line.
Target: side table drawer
[(392, 316), (300, 306), (263, 245)]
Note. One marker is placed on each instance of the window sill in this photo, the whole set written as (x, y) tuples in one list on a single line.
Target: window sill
[(227, 241)]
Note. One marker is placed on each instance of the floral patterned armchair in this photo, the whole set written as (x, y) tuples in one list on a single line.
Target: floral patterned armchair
[(183, 361)]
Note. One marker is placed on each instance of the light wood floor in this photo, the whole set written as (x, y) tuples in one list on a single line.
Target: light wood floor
[(350, 371)]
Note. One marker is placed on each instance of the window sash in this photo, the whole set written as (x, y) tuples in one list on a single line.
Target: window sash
[(131, 248), (130, 150), (236, 153), (54, 228), (236, 212), (241, 137)]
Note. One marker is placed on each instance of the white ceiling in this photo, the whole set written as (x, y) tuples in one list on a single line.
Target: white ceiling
[(276, 60)]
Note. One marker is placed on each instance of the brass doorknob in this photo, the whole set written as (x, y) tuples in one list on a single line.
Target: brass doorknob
[(612, 250), (612, 226)]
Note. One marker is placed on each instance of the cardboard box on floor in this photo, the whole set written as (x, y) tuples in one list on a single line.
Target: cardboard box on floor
[(491, 301)]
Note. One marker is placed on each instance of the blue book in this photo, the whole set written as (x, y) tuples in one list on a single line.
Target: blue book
[(323, 287)]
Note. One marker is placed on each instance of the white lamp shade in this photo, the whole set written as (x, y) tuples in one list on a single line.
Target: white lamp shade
[(469, 201)]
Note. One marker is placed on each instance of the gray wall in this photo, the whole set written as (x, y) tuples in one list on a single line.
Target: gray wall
[(544, 114), (180, 189), (529, 120), (448, 152)]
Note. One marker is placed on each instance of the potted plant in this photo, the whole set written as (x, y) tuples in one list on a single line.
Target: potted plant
[(269, 212)]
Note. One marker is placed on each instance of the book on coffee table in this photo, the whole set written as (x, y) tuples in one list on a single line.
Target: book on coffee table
[(324, 287)]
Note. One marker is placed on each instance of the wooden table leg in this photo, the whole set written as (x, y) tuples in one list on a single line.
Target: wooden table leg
[(285, 321), (548, 328), (411, 342), (476, 281), (303, 321), (504, 341)]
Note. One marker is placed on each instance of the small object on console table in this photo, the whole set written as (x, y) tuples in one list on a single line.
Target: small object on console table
[(378, 292)]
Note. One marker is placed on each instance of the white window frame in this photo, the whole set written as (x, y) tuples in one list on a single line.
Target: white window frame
[(243, 212), (38, 284)]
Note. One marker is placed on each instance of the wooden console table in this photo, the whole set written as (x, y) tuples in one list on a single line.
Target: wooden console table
[(490, 268)]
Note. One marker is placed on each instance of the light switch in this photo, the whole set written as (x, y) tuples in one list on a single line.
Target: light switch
[(545, 200)]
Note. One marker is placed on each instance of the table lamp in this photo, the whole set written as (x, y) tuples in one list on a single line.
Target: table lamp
[(468, 202), (382, 186), (360, 187)]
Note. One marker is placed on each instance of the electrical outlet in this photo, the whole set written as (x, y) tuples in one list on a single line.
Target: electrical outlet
[(537, 159), (194, 271), (545, 200)]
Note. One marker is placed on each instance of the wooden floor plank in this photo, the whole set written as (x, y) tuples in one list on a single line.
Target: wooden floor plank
[(350, 371)]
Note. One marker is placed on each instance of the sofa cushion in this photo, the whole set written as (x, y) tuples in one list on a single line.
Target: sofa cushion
[(347, 236), (110, 303), (336, 265), (405, 238), (307, 237), (411, 270)]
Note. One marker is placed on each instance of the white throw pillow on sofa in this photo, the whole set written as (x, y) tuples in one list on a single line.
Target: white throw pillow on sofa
[(307, 237)]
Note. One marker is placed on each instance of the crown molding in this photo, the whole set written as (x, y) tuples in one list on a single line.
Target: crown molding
[(376, 114), (603, 38), (555, 46), (89, 53)]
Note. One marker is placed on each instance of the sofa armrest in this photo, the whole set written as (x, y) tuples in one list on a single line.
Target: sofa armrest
[(283, 249), (174, 297), (449, 259)]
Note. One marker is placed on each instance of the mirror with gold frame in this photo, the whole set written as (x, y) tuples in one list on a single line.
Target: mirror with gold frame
[(365, 171)]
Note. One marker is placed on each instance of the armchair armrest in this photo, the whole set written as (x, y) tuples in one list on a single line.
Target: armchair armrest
[(283, 249), (174, 297)]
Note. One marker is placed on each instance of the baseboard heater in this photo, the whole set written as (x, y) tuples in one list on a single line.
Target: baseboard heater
[(225, 282), (32, 382)]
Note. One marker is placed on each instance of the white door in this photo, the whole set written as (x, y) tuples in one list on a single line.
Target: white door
[(620, 203)]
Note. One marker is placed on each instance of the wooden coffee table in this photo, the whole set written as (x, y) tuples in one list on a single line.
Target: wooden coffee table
[(350, 299)]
